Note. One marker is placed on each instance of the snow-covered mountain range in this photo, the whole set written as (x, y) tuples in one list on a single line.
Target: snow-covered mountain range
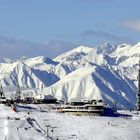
[(105, 72)]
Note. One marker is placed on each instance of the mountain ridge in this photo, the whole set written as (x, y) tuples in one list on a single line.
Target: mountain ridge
[(64, 76)]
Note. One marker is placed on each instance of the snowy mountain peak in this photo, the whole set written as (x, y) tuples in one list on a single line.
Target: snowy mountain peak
[(36, 61), (82, 49), (106, 48), (122, 45)]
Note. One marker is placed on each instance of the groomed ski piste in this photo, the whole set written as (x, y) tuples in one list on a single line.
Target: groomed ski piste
[(38, 122)]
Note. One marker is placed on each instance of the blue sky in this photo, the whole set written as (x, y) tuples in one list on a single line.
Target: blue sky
[(88, 22)]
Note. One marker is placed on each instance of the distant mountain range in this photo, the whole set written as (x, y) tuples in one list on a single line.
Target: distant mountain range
[(105, 72)]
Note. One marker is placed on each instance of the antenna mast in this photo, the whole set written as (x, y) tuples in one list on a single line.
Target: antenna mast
[(1, 92), (18, 93), (138, 105)]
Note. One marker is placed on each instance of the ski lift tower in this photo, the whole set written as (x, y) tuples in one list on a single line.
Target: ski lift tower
[(2, 96), (18, 93), (138, 102)]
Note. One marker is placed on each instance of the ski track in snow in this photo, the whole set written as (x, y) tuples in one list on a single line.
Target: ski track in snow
[(5, 129), (4, 123)]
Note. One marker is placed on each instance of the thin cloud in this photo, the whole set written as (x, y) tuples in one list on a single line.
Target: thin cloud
[(90, 34), (132, 24), (11, 48), (102, 36)]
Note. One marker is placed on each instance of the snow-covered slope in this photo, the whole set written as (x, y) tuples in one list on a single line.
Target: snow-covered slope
[(95, 83), (106, 71), (81, 57), (20, 74), (38, 122), (126, 59)]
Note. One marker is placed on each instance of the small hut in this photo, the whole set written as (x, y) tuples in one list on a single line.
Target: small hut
[(49, 99)]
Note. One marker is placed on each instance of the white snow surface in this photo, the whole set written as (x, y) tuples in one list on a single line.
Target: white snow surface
[(38, 122), (108, 72)]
